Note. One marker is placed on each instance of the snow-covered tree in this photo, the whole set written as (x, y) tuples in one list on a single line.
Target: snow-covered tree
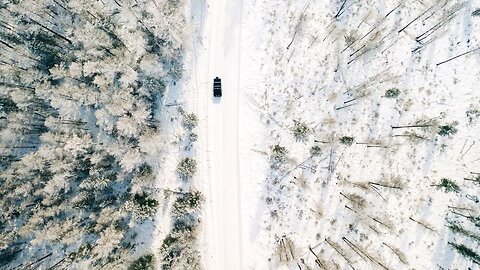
[(190, 120), (315, 150), (392, 93), (347, 140), (278, 156), (300, 131), (187, 168), (146, 262), (447, 130)]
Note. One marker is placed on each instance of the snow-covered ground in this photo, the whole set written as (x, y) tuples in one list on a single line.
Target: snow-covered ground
[(329, 65), (332, 74)]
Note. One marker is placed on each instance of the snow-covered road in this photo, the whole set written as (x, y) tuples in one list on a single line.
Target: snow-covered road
[(220, 115)]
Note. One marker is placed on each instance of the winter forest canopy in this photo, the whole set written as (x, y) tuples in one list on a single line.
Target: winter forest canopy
[(82, 90)]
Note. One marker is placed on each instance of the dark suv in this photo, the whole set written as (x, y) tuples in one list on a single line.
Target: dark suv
[(217, 87)]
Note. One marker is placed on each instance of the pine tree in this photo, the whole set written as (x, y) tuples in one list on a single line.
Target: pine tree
[(346, 140)]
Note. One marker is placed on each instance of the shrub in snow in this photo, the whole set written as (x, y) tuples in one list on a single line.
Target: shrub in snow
[(187, 203), (347, 140), (192, 137), (447, 130), (190, 120), (476, 12), (448, 185), (278, 156), (178, 252), (146, 262), (144, 170), (315, 151), (300, 131), (392, 93), (472, 115), (187, 168)]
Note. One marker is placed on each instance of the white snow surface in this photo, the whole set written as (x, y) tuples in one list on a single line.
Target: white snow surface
[(218, 54)]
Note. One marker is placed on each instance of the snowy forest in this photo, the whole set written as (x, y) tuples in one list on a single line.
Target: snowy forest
[(346, 135), (84, 92)]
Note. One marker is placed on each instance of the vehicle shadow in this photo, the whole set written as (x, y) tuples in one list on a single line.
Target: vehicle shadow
[(216, 100)]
